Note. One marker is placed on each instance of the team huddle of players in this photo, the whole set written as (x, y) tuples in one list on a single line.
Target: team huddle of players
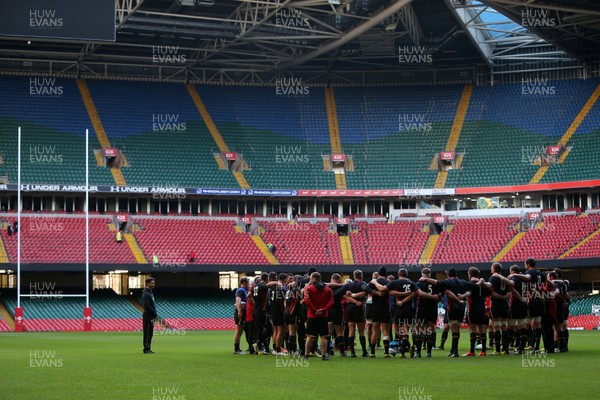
[(291, 311)]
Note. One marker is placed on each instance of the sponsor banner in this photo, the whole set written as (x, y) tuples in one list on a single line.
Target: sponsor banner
[(351, 193), (230, 155), (341, 221), (247, 220), (122, 217), (429, 192), (338, 157)]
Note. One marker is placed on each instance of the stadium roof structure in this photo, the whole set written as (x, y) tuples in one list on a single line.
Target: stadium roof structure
[(322, 41)]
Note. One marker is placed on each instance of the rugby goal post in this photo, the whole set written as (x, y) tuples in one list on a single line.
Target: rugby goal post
[(87, 311)]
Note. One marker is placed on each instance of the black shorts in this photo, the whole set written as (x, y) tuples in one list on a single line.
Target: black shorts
[(368, 311), (456, 313), (335, 315), (446, 317), (427, 314), (499, 309), (560, 314), (277, 318), (354, 314), (518, 310), (381, 315), (290, 319), (535, 308), (237, 320), (404, 316), (476, 315), (317, 327), (567, 312), (486, 319)]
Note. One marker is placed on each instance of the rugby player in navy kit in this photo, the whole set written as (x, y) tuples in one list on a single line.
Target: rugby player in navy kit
[(404, 290), (354, 293), (335, 316), (535, 303), (455, 308), (260, 296), (501, 288), (239, 314), (476, 294), (277, 291), (518, 310), (562, 336), (291, 313), (380, 314), (427, 313)]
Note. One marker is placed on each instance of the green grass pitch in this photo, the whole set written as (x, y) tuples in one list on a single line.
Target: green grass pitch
[(200, 365)]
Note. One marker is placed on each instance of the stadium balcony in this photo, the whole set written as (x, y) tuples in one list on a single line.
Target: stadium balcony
[(214, 241), (391, 244), (549, 241), (53, 132), (473, 240), (303, 242), (58, 239), (393, 134)]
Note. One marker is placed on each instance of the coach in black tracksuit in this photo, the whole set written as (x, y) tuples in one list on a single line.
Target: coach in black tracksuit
[(149, 315)]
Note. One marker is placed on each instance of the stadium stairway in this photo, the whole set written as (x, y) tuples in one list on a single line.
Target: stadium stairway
[(260, 243), (432, 241), (512, 243), (459, 119), (3, 254), (99, 128), (135, 248), (346, 248), (6, 317), (334, 134), (569, 132), (214, 132), (581, 243)]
